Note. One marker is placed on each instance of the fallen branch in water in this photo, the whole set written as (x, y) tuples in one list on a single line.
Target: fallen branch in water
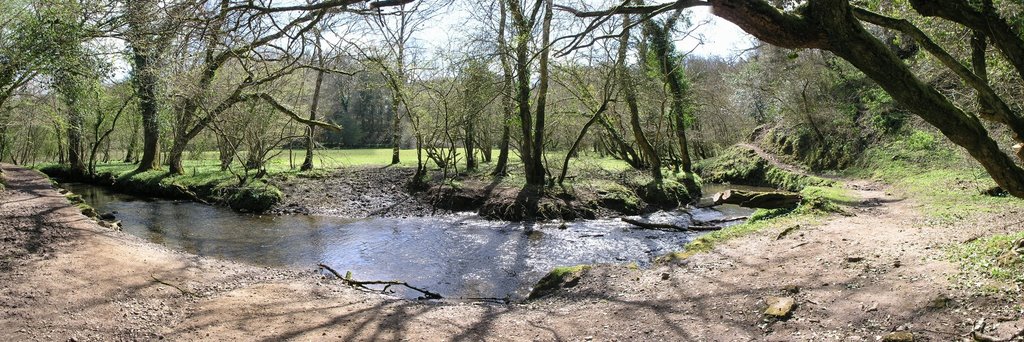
[(183, 291), (652, 225), (387, 283), (718, 222), (669, 226)]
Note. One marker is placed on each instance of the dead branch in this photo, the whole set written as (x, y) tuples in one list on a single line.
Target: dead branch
[(183, 291), (718, 222), (281, 108), (669, 226), (387, 283)]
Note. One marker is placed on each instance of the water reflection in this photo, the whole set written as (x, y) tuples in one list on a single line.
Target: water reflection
[(456, 256)]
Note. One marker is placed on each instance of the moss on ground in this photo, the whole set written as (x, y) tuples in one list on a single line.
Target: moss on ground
[(616, 197), (945, 181), (997, 258), (557, 278)]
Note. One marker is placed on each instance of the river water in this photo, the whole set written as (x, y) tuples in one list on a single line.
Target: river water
[(459, 256)]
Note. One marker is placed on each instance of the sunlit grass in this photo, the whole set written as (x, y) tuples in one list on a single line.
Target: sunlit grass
[(948, 184)]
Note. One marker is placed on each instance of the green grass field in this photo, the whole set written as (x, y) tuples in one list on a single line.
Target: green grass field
[(204, 168)]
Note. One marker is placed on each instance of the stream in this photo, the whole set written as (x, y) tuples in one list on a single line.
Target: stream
[(459, 256)]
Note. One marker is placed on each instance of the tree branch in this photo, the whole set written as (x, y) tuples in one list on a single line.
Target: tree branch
[(1002, 112), (295, 116)]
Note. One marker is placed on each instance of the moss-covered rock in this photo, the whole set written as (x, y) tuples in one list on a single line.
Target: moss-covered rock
[(803, 145), (88, 210), (558, 278)]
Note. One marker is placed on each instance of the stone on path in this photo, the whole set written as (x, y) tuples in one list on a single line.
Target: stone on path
[(899, 336), (779, 307)]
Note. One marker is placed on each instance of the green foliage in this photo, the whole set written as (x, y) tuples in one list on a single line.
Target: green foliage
[(765, 214), (831, 193), (768, 220), (818, 203), (947, 183), (881, 108), (617, 197), (920, 141)]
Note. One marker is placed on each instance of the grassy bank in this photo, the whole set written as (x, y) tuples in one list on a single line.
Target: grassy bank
[(739, 165), (818, 204), (204, 185)]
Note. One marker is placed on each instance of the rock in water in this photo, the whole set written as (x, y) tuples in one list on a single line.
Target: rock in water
[(779, 307), (899, 336), (560, 277), (108, 216)]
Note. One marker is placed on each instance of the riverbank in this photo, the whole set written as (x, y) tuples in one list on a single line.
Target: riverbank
[(374, 191), (852, 277)]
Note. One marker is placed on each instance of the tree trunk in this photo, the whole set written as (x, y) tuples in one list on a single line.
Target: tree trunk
[(4, 143), (74, 131), (396, 132), (536, 175), (531, 163), (501, 167), (880, 64), (672, 71), (307, 163), (129, 156), (60, 144), (145, 81), (622, 149), (579, 139), (629, 92), (469, 144)]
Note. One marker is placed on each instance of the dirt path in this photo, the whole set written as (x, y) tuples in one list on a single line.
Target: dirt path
[(858, 277)]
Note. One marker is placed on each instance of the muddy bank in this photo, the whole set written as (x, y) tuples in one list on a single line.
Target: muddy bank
[(360, 192), (384, 192), (354, 193)]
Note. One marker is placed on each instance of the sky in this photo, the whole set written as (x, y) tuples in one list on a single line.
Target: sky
[(714, 36), (720, 37)]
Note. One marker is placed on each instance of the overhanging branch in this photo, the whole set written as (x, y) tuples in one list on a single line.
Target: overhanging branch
[(295, 116)]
